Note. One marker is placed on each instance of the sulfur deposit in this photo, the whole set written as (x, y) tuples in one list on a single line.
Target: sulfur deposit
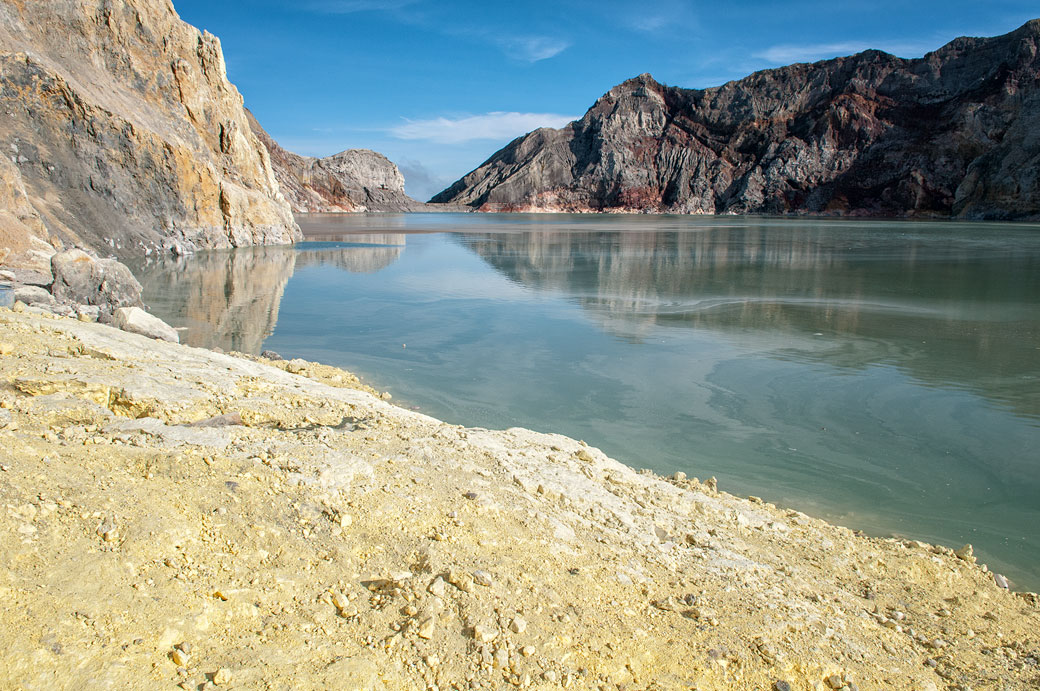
[(175, 516)]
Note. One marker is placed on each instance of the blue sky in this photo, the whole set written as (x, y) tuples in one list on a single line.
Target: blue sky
[(440, 85)]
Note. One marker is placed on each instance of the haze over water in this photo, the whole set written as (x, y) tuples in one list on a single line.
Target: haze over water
[(882, 375)]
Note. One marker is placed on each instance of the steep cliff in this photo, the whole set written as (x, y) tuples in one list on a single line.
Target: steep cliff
[(124, 134), (352, 180), (954, 133)]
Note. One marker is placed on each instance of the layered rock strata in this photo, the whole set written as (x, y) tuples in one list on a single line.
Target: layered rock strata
[(173, 516), (120, 132), (352, 180), (950, 134)]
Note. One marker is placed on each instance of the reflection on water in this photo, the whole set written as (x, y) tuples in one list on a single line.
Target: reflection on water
[(884, 375), (226, 300), (960, 314), (229, 300), (362, 253)]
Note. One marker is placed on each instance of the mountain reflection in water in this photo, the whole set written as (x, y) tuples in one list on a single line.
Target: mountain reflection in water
[(230, 299), (944, 314)]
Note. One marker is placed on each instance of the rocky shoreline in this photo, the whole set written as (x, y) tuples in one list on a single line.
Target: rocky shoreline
[(176, 516)]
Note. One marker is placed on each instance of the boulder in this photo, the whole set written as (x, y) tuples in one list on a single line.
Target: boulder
[(83, 280), (31, 294), (136, 320)]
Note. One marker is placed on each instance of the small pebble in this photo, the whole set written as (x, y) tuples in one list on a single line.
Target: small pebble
[(482, 578), (222, 677), (179, 657), (518, 625), (781, 686), (425, 629), (484, 634), (1000, 581), (437, 587)]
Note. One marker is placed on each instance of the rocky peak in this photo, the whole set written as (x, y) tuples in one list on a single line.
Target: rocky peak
[(872, 133), (352, 180)]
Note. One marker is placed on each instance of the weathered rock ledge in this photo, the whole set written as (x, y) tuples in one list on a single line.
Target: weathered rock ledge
[(177, 516)]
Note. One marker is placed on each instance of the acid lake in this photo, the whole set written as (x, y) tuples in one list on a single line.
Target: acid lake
[(881, 375)]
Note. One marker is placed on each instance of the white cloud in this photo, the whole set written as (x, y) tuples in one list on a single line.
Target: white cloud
[(532, 48), (785, 54), (496, 125)]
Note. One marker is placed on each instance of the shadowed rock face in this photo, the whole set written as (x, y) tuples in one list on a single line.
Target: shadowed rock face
[(352, 180), (954, 133), (123, 132)]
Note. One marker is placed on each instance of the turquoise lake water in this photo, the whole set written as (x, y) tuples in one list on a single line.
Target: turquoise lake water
[(882, 375)]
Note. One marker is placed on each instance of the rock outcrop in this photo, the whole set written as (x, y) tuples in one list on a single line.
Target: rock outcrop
[(121, 133), (953, 133), (352, 180)]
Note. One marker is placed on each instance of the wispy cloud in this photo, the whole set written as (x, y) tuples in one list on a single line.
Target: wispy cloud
[(496, 125), (532, 48), (352, 6), (664, 16), (787, 53)]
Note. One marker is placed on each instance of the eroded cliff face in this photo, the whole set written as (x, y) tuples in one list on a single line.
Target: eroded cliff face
[(954, 133), (352, 180), (123, 133)]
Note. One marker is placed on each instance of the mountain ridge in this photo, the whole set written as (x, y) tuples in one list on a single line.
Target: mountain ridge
[(949, 134), (351, 181)]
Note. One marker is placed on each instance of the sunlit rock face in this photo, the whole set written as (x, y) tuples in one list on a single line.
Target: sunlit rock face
[(949, 134), (125, 135)]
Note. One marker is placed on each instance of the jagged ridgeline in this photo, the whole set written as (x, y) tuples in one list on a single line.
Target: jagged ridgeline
[(120, 132), (951, 134), (352, 180)]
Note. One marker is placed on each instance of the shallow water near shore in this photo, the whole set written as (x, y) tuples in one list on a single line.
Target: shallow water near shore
[(882, 375)]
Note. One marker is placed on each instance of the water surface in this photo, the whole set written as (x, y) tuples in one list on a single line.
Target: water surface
[(882, 375)]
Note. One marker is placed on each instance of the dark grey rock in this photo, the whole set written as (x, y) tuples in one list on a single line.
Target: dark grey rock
[(271, 355), (948, 134)]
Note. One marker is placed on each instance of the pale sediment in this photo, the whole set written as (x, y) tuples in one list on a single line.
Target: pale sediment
[(333, 540)]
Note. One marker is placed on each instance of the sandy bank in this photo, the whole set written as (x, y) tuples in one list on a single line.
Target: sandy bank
[(333, 540)]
